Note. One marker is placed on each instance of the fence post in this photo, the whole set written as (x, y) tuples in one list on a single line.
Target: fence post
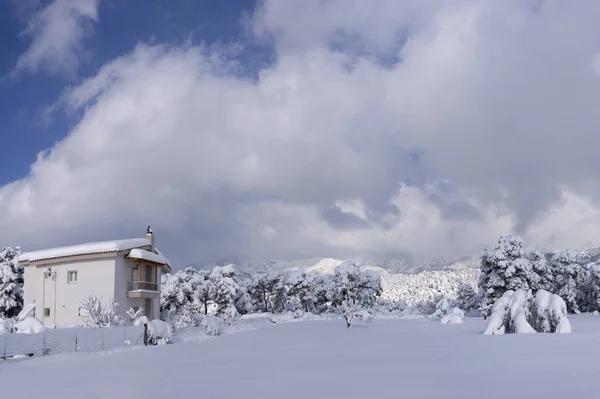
[(146, 334), (76, 339)]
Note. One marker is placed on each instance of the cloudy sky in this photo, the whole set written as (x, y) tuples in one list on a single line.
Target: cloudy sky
[(293, 129)]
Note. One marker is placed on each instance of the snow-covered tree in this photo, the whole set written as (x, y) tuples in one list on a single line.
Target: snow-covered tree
[(588, 287), (99, 314), (353, 284), (509, 314), (325, 292), (268, 292), (180, 297), (541, 277), (519, 312), (203, 290), (466, 298), (243, 300), (11, 283), (565, 268), (224, 289), (503, 268), (549, 313), (301, 289)]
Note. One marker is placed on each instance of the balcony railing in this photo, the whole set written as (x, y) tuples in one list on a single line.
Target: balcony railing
[(143, 285)]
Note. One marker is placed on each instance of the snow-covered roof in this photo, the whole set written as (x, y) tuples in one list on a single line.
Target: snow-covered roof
[(138, 253), (84, 249)]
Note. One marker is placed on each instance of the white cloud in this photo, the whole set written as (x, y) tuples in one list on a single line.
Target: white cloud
[(498, 98), (57, 32)]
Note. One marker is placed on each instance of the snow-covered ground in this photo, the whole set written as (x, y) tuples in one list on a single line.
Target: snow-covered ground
[(323, 359)]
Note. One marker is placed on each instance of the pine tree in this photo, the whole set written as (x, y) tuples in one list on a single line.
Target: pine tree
[(541, 273), (301, 289), (588, 287), (11, 283), (180, 297), (503, 268), (204, 290), (466, 298), (224, 289), (258, 290), (566, 267)]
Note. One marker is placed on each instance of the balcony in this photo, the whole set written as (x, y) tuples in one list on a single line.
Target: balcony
[(142, 289)]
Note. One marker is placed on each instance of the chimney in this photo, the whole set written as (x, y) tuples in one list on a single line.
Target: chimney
[(150, 236)]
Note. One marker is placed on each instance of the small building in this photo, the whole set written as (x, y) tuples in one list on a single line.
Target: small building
[(126, 271)]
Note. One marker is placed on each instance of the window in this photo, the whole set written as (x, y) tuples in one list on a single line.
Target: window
[(72, 276), (46, 312)]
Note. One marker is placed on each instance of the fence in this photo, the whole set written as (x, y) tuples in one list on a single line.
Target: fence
[(68, 340)]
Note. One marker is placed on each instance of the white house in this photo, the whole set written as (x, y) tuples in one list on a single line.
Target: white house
[(127, 271)]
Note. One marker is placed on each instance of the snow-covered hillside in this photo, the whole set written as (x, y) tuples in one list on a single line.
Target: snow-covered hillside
[(246, 268), (427, 286)]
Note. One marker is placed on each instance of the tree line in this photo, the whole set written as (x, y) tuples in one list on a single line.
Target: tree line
[(189, 294)]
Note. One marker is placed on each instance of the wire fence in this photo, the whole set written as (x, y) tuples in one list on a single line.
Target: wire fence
[(65, 340)]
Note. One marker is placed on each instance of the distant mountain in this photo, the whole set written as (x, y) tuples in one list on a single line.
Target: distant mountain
[(396, 264)]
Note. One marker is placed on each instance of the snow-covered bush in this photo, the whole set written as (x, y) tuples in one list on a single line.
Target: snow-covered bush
[(354, 313), (518, 312), (508, 314), (212, 325), (186, 320), (134, 314), (6, 326), (549, 313), (442, 307), (159, 332), (453, 316), (11, 282), (141, 321), (97, 314), (30, 325)]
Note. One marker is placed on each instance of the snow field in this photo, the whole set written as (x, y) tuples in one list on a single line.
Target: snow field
[(324, 359)]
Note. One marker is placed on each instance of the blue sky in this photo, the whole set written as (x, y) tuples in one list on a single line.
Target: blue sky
[(26, 127)]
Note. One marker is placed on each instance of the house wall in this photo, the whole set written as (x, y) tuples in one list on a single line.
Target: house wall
[(94, 276), (106, 276), (124, 275)]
